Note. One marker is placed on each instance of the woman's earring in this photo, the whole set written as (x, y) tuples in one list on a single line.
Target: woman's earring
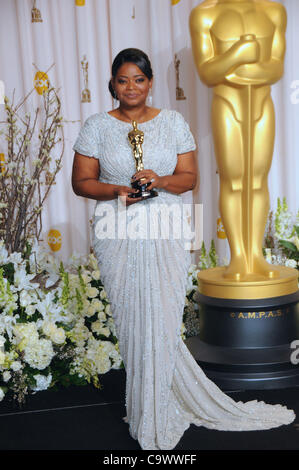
[(150, 98)]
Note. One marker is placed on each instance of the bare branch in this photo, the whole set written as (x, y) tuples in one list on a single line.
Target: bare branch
[(27, 174)]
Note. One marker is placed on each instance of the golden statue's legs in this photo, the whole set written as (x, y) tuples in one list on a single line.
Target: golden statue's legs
[(263, 132), (230, 160), (244, 196)]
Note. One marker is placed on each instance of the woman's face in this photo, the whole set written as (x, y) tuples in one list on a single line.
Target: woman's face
[(131, 85)]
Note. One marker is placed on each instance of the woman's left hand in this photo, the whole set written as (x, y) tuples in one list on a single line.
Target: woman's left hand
[(149, 176)]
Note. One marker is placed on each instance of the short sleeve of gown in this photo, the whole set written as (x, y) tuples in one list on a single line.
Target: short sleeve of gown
[(87, 142), (184, 138)]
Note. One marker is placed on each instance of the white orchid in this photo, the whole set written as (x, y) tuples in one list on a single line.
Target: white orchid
[(49, 309), (16, 259), (27, 298), (22, 280), (7, 323)]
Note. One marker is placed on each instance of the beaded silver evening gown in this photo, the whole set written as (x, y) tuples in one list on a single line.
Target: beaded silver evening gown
[(145, 280)]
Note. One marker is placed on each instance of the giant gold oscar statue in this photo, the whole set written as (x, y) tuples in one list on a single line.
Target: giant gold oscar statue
[(238, 48)]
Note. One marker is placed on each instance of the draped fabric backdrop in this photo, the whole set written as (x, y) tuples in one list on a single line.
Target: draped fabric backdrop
[(99, 29)]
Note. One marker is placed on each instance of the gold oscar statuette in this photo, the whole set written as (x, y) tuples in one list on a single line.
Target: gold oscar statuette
[(36, 16), (238, 49), (249, 310), (86, 97), (136, 138), (179, 91)]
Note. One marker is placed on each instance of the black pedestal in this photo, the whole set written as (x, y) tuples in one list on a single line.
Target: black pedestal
[(246, 344)]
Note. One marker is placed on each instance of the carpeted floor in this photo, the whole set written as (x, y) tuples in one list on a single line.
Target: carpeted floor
[(83, 418)]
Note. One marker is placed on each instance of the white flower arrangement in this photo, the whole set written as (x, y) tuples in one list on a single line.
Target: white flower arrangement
[(282, 237), (56, 326)]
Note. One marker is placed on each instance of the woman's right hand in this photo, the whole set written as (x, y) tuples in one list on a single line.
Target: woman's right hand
[(124, 191)]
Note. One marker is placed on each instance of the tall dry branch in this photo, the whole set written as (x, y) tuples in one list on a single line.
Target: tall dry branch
[(28, 171)]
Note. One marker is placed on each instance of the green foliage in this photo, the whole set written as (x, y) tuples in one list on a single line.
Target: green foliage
[(213, 255), (8, 272), (290, 250)]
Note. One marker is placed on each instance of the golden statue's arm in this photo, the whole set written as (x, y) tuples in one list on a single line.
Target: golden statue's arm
[(242, 59), (267, 73), (213, 69)]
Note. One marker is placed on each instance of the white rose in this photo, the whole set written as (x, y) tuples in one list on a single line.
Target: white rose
[(103, 294), (103, 363), (102, 316), (96, 326), (1, 394), (86, 278), (96, 275), (49, 328), (98, 305), (25, 331), (110, 324), (101, 330), (92, 292), (6, 376), (58, 336), (91, 310), (42, 382), (108, 309), (16, 366), (291, 263)]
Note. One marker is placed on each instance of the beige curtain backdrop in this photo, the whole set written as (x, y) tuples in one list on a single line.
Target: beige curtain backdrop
[(99, 29)]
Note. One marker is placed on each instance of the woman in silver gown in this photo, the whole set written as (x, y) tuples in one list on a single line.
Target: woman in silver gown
[(145, 277)]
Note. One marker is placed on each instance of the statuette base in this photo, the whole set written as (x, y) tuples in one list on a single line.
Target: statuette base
[(212, 282)]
